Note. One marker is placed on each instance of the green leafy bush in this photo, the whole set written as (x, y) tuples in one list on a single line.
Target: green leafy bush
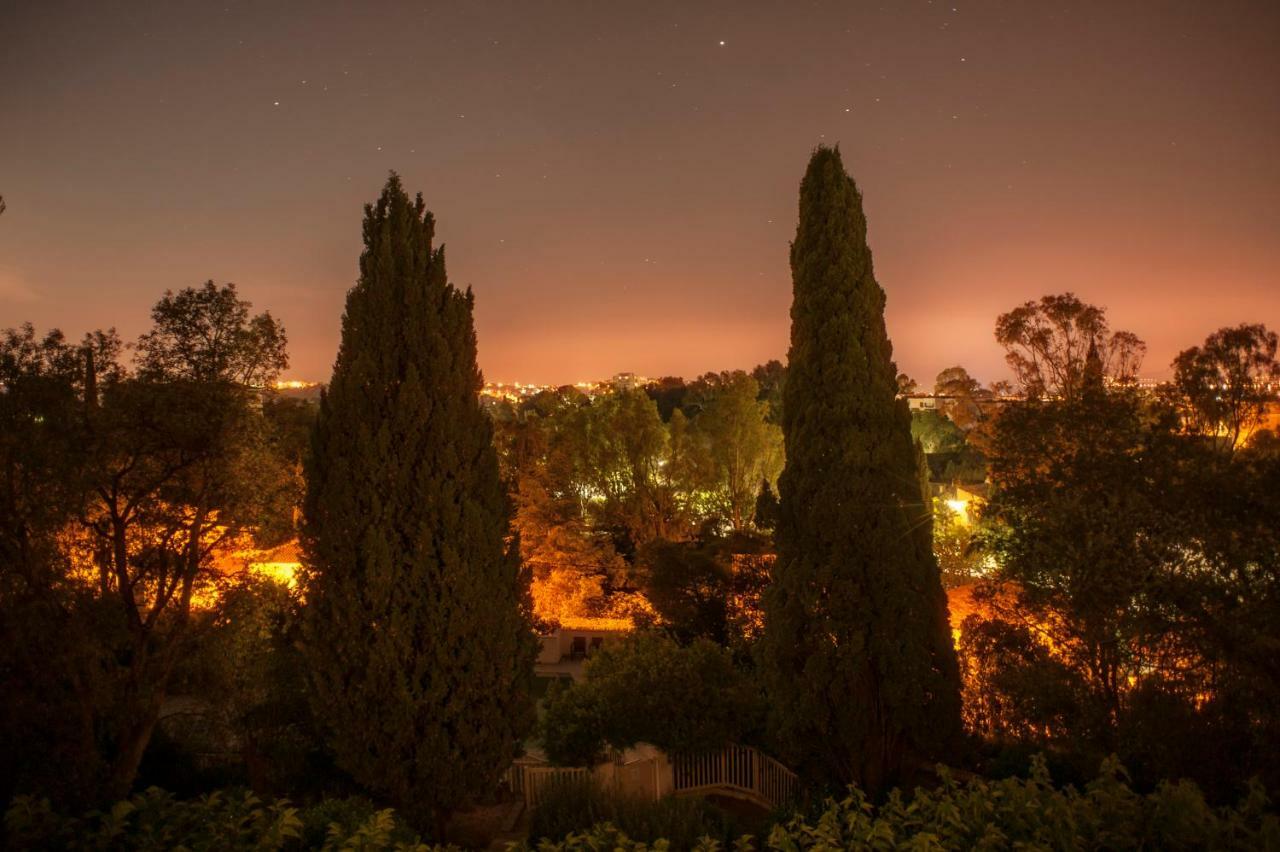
[(573, 806), (229, 820), (344, 816), (1012, 813)]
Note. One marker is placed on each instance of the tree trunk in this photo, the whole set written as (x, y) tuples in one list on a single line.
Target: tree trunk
[(124, 769)]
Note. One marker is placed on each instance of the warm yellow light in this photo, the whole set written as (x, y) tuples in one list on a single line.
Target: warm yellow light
[(285, 573), (960, 508)]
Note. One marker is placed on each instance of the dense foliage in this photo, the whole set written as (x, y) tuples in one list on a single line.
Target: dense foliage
[(245, 715), (650, 689), (1013, 813), (1224, 384), (125, 486), (418, 641), (1137, 586), (599, 480), (856, 641), (1010, 814), (577, 806), (709, 587), (223, 820)]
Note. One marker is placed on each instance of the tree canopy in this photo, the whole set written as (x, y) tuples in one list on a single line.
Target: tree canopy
[(1226, 384), (1047, 342), (126, 487)]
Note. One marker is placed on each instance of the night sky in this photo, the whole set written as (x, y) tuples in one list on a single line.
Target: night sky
[(617, 180)]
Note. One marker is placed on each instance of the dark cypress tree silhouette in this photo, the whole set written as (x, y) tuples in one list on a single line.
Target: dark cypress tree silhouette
[(766, 514), (417, 627), (857, 646)]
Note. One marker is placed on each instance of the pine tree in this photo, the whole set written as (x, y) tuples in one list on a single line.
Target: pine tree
[(857, 645), (418, 633)]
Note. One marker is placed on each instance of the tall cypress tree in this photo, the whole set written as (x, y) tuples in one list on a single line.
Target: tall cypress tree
[(856, 645), (418, 636)]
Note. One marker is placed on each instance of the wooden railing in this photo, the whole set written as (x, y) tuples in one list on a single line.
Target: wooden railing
[(739, 768), (531, 781), (735, 770)]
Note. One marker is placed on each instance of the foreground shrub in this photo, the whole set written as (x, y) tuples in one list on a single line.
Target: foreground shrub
[(1011, 813), (155, 820), (345, 817), (1008, 814), (575, 805)]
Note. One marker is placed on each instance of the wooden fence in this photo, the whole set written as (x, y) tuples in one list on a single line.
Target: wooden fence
[(531, 781)]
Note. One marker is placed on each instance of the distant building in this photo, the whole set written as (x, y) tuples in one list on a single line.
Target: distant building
[(627, 381), (923, 402), (565, 650), (1149, 385)]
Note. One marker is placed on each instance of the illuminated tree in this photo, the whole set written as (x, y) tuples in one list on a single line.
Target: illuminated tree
[(162, 469), (418, 632), (689, 470), (1147, 565), (959, 562), (1048, 341), (181, 468), (963, 397), (621, 447), (571, 563), (1226, 384), (744, 447), (856, 643), (936, 433), (772, 378)]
